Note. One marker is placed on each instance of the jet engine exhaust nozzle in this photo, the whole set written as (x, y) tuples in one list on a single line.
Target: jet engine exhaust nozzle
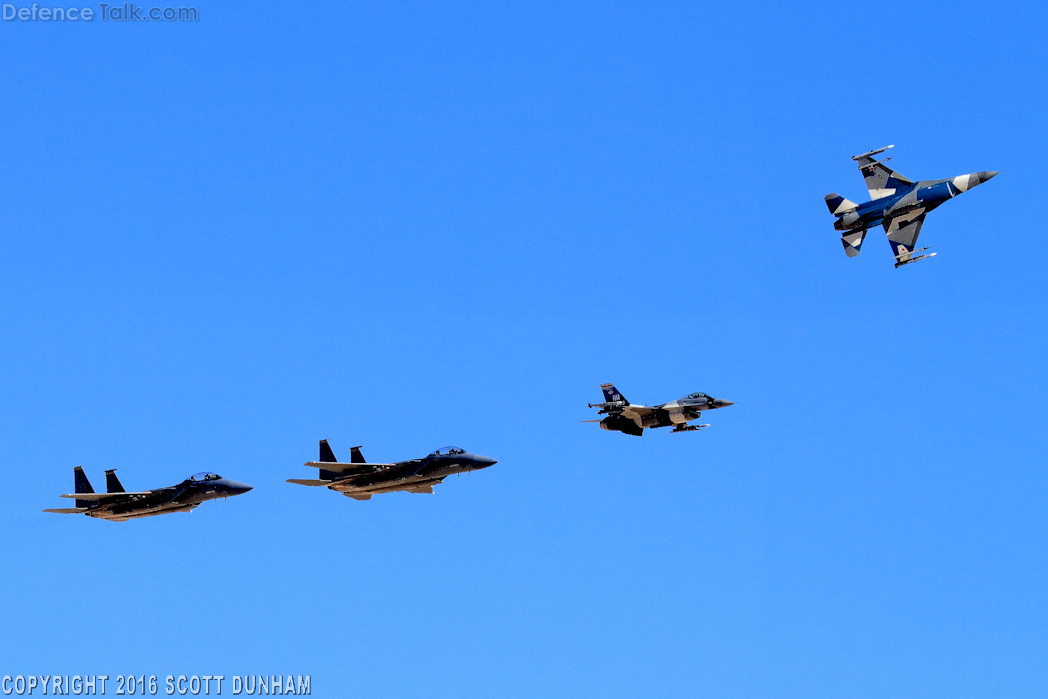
[(847, 221)]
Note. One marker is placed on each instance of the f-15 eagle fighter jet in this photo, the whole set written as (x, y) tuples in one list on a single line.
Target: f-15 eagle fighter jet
[(360, 480), (897, 203), (118, 505), (631, 418)]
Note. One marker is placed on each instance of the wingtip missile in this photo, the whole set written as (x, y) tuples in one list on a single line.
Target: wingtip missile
[(872, 152)]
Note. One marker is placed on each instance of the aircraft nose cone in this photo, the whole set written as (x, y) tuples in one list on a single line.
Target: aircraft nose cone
[(484, 462), (239, 488), (966, 182), (721, 403)]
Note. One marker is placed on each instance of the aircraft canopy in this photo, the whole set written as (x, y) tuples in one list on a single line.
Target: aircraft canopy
[(448, 451), (204, 476)]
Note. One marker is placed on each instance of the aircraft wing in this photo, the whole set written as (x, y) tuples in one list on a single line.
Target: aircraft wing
[(103, 497), (305, 481), (637, 410), (347, 468), (902, 234), (68, 510), (881, 180)]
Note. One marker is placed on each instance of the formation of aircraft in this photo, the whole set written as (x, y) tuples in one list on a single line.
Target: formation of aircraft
[(360, 480), (118, 505), (897, 203), (631, 418)]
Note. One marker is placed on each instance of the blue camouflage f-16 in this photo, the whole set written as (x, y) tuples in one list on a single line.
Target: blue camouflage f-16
[(898, 204)]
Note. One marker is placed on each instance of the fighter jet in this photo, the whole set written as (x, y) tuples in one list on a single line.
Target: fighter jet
[(360, 480), (630, 418), (118, 505), (898, 204)]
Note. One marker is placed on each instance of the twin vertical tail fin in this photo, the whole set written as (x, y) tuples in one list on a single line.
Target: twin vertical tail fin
[(327, 456), (325, 452), (81, 484), (113, 483)]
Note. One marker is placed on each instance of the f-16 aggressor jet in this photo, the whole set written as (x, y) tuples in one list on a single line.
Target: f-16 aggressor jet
[(118, 505), (360, 480), (898, 204), (631, 418)]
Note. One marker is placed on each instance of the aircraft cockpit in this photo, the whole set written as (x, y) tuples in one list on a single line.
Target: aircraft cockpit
[(698, 395), (204, 476), (448, 451)]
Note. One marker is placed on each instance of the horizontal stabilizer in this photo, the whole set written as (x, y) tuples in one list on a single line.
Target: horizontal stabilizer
[(69, 510), (838, 205), (306, 481), (102, 497), (342, 467), (358, 496), (852, 242)]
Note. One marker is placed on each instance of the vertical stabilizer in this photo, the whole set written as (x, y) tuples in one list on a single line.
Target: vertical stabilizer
[(325, 452), (113, 484), (327, 456), (81, 484), (611, 394), (355, 457)]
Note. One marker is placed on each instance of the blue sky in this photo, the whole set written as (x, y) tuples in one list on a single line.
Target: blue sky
[(406, 225)]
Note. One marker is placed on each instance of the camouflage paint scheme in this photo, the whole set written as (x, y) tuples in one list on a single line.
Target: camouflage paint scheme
[(631, 418), (897, 203), (360, 480), (118, 505)]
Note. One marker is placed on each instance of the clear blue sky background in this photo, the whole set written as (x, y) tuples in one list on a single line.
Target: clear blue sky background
[(412, 224)]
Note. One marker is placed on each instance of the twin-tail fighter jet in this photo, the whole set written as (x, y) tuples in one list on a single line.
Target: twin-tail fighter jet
[(360, 480), (630, 418), (898, 204), (118, 505)]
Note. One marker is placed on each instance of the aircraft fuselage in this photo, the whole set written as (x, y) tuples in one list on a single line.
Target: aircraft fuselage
[(925, 195), (180, 498), (405, 475)]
